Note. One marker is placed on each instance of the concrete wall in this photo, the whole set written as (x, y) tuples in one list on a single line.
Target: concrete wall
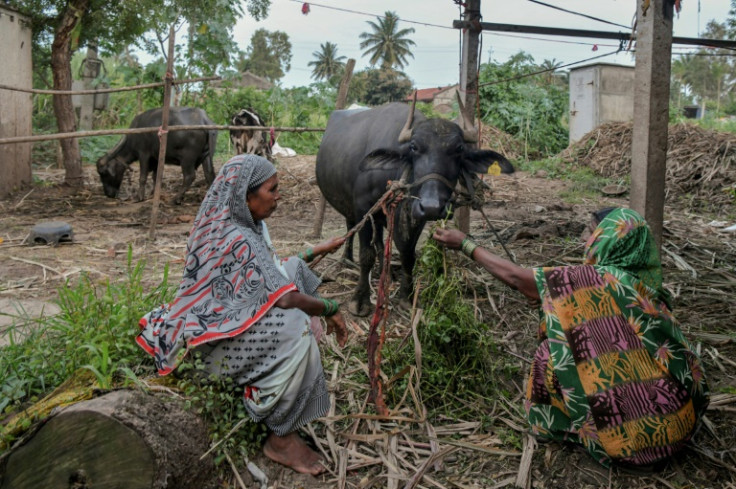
[(15, 107), (600, 93)]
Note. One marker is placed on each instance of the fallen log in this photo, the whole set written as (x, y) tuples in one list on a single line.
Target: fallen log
[(124, 439)]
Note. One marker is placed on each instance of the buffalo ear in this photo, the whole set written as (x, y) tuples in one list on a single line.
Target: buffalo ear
[(382, 159), (486, 161)]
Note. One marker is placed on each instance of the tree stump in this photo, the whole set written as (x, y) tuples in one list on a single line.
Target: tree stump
[(123, 440)]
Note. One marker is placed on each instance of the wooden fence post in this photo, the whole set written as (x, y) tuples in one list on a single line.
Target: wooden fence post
[(342, 96), (163, 135)]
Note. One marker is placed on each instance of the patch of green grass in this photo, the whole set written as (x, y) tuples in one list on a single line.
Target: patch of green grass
[(219, 401), (459, 357), (95, 331)]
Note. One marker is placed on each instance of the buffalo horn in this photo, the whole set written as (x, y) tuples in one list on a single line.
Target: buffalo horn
[(470, 132), (405, 134)]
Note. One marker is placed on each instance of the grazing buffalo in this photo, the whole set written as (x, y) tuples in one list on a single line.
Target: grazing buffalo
[(252, 141), (188, 149), (362, 150)]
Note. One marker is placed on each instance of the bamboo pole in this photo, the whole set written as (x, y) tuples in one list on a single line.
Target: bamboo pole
[(142, 130), (163, 135), (342, 96), (39, 91)]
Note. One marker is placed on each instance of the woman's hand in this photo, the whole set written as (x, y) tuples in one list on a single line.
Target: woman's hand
[(450, 238), (328, 246), (336, 324)]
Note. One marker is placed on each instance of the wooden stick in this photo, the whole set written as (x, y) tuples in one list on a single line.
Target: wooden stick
[(38, 91), (163, 136), (144, 130), (235, 471)]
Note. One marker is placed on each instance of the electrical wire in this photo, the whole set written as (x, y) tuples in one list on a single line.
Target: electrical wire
[(527, 75), (579, 14), (358, 12)]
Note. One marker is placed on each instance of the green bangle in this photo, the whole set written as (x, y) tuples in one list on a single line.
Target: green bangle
[(468, 246), (331, 307), (307, 256)]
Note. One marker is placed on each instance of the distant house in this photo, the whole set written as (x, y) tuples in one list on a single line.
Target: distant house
[(441, 98), (245, 79)]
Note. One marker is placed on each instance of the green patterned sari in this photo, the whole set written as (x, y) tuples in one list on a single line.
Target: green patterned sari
[(613, 372)]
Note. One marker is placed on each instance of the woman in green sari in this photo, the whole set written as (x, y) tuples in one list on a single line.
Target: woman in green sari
[(613, 371)]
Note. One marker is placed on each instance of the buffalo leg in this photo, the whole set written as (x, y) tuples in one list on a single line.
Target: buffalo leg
[(187, 180), (406, 236), (360, 304), (347, 255), (146, 165)]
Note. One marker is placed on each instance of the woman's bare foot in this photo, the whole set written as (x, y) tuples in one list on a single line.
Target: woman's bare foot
[(292, 451)]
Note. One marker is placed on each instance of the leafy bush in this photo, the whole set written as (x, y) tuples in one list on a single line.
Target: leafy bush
[(532, 109), (95, 330), (457, 350)]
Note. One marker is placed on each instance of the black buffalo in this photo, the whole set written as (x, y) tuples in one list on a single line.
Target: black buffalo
[(252, 141), (362, 150), (188, 149)]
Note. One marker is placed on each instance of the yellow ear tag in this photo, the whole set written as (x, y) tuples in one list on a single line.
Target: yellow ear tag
[(494, 169)]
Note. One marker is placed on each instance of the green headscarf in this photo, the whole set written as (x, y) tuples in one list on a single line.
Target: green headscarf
[(624, 241)]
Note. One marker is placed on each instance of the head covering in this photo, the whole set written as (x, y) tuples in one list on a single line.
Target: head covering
[(232, 276), (624, 241)]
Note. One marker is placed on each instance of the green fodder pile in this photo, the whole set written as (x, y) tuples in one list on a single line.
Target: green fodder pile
[(701, 163), (458, 354)]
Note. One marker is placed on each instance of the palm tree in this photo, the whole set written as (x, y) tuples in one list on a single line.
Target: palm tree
[(386, 43), (328, 63)]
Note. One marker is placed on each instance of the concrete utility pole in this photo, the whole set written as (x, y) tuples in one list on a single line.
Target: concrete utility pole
[(90, 71), (469, 81), (651, 111)]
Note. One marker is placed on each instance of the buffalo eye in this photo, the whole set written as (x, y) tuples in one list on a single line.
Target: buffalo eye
[(413, 147), (460, 148)]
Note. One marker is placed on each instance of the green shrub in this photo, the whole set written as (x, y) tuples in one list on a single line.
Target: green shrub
[(457, 350), (95, 330)]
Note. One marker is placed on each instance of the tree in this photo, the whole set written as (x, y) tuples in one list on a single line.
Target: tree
[(60, 27), (528, 108), (386, 43), (269, 55), (380, 86), (328, 63), (707, 73)]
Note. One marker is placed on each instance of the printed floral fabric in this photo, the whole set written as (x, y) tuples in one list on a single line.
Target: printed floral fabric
[(614, 372)]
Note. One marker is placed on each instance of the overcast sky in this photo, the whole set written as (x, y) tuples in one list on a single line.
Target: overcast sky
[(436, 54)]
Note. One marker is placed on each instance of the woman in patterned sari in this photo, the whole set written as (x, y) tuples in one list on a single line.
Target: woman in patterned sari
[(248, 313), (613, 371)]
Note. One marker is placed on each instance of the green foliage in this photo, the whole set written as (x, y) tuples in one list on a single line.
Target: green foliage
[(327, 63), (386, 44), (457, 350), (269, 55), (707, 75), (379, 86), (303, 107), (95, 330), (219, 401), (531, 109)]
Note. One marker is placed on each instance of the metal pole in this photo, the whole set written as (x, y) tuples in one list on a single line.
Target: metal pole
[(163, 135)]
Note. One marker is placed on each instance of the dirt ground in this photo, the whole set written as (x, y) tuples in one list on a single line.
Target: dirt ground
[(407, 449)]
